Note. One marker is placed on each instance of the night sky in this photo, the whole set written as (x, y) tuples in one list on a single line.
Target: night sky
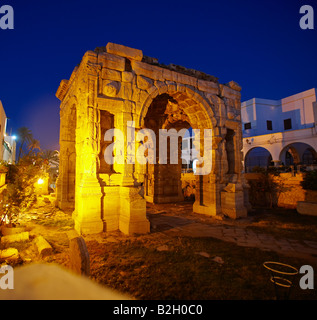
[(257, 43)]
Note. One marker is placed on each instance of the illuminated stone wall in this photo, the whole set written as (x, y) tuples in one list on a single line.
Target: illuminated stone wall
[(116, 84)]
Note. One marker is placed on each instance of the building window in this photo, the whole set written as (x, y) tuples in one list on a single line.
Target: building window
[(287, 124), (247, 126), (269, 125)]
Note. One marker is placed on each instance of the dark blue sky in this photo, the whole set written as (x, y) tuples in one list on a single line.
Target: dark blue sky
[(258, 44)]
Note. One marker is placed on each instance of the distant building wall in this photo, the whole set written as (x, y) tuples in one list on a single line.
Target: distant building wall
[(286, 128), (9, 150), (3, 120)]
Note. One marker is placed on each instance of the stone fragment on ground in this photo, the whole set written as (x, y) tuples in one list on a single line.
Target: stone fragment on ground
[(203, 254), (162, 248), (18, 237), (9, 254), (79, 256), (43, 247), (218, 260)]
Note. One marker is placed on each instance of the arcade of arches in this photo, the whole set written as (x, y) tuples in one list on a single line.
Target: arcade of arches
[(296, 153), (116, 85)]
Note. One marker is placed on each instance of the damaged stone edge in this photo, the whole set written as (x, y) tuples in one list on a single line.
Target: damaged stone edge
[(137, 55)]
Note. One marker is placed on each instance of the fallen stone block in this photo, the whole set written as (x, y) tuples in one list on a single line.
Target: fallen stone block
[(307, 208), (218, 260), (5, 231), (162, 248), (18, 237), (9, 254), (124, 51), (79, 256), (43, 247), (203, 254)]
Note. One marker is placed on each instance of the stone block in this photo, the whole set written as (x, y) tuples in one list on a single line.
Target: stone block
[(43, 247), (110, 74), (169, 75), (127, 76), (208, 86), (123, 51), (234, 85), (87, 216), (307, 208), (79, 256), (132, 212), (5, 231), (18, 237), (150, 71), (185, 79), (9, 254), (111, 61), (111, 208), (144, 82), (232, 204), (228, 92)]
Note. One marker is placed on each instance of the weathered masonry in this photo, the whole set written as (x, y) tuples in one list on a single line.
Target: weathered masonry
[(117, 84)]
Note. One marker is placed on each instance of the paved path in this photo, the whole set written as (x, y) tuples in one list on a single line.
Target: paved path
[(178, 225)]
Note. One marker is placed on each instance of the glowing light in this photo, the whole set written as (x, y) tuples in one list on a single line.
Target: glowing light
[(40, 181), (14, 137)]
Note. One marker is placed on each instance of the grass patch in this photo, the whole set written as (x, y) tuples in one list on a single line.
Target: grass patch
[(137, 268)]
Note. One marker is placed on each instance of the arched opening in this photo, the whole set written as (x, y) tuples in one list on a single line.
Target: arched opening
[(309, 156), (163, 181), (298, 153), (106, 123), (189, 152), (257, 157), (175, 111)]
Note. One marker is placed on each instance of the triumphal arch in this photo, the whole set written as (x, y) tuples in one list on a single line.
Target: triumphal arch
[(117, 87)]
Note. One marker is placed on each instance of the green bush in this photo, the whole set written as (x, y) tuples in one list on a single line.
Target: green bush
[(309, 180), (19, 194)]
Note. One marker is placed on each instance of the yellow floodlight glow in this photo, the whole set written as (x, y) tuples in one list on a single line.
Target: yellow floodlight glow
[(40, 181)]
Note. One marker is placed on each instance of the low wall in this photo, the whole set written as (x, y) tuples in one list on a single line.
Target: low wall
[(288, 192)]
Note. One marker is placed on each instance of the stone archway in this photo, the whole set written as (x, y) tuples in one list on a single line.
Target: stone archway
[(257, 157), (120, 87), (294, 154), (182, 108)]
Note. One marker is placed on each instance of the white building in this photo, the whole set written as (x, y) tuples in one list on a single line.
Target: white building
[(8, 143), (280, 131), (9, 150)]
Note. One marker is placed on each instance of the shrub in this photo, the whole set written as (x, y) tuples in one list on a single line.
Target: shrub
[(266, 190), (309, 180), (19, 194)]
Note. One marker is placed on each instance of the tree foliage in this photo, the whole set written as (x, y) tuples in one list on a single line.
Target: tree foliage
[(19, 194), (309, 180)]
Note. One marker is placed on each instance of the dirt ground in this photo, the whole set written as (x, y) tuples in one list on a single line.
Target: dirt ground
[(131, 263)]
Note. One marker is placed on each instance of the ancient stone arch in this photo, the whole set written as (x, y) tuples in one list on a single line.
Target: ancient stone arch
[(118, 87)]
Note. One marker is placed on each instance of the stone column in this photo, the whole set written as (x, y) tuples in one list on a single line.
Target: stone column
[(132, 217), (62, 183), (233, 195), (207, 184), (87, 215), (67, 143)]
